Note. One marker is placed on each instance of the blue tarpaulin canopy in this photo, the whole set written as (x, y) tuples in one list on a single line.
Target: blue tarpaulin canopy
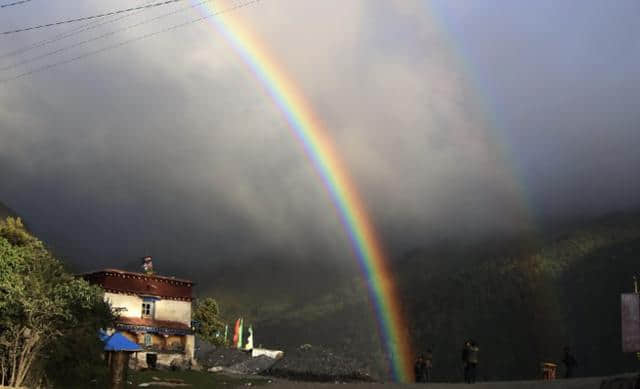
[(119, 342)]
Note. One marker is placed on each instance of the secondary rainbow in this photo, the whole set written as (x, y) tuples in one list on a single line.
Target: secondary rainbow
[(351, 209)]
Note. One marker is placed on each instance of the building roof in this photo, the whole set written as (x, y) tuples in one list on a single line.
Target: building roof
[(119, 342), (120, 281), (152, 325), (132, 273)]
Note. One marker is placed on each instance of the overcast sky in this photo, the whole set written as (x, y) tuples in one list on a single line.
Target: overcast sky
[(454, 118)]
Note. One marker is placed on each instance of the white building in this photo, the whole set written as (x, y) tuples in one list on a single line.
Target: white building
[(153, 311)]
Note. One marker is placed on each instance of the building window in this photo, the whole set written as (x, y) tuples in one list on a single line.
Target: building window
[(147, 340), (147, 309)]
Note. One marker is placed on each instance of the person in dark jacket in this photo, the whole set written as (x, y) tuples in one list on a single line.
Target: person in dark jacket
[(428, 363), (420, 369), (569, 362), (472, 362), (465, 359)]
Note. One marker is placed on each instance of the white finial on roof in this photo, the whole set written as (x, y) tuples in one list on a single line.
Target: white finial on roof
[(147, 265)]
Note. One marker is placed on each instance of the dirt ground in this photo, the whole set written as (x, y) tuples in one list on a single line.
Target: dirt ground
[(577, 383)]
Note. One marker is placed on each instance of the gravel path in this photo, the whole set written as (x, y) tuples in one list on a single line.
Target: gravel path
[(577, 383)]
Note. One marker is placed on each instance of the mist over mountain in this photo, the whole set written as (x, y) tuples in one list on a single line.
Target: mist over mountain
[(522, 302)]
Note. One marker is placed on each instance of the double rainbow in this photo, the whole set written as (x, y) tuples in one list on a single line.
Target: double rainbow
[(320, 150)]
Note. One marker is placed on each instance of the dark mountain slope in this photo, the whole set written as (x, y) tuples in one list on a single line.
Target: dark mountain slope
[(522, 301), (524, 309)]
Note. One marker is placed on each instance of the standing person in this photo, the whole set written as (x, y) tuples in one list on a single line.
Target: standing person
[(569, 362), (465, 360), (472, 361), (428, 362), (419, 369)]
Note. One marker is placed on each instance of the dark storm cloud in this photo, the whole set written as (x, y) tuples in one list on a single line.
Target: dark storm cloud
[(170, 146), (564, 82)]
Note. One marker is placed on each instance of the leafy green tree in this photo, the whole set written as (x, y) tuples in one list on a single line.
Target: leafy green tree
[(209, 327), (40, 304)]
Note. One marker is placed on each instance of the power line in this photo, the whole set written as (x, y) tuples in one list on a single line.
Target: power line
[(147, 6), (55, 38), (126, 42), (85, 27), (14, 3), (105, 35)]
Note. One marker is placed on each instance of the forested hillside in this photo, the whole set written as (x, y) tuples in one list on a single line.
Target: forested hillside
[(524, 309), (521, 301)]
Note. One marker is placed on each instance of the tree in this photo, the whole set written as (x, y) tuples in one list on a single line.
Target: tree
[(40, 303), (206, 314)]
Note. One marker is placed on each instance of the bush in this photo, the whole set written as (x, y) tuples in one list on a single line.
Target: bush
[(49, 320)]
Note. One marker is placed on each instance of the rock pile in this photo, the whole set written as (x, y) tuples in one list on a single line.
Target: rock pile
[(257, 365), (235, 361), (224, 357), (313, 363), (305, 363)]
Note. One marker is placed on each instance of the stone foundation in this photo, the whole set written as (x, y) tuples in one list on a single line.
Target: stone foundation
[(165, 361)]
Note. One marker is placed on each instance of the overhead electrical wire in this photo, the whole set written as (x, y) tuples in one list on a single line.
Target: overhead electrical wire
[(14, 3), (102, 36), (85, 27), (102, 15), (126, 42)]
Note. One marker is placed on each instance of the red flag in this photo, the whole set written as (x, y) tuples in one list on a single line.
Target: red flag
[(235, 332)]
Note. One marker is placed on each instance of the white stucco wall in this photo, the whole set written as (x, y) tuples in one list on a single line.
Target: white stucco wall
[(190, 346), (173, 310), (132, 303)]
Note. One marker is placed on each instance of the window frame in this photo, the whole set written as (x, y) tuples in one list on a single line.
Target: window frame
[(148, 340), (148, 309)]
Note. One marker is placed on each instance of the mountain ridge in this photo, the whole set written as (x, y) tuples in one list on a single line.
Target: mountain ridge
[(522, 307)]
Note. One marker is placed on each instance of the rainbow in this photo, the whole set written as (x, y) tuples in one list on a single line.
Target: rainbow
[(507, 159), (351, 209)]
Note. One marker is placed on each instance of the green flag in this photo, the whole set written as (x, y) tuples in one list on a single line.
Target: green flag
[(239, 345)]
